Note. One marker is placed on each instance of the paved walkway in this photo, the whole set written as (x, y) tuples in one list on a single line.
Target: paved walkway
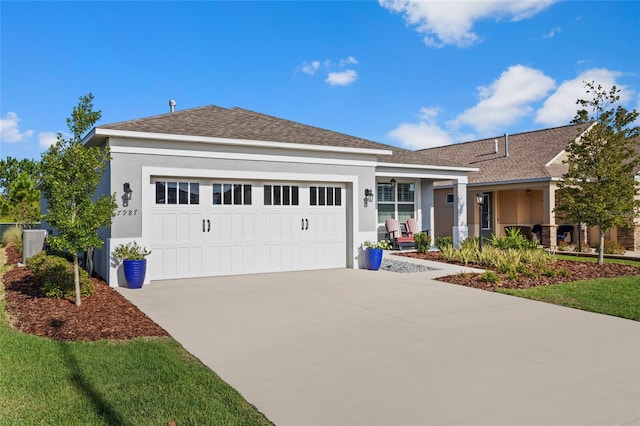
[(355, 347)]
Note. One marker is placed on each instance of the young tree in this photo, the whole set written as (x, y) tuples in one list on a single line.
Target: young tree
[(10, 169), (24, 200), (71, 173), (600, 189)]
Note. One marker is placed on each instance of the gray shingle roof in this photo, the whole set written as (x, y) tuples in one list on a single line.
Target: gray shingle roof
[(238, 123), (529, 154)]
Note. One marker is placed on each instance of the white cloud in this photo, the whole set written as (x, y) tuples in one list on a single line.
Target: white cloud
[(9, 131), (342, 78), (311, 68), (560, 108), (552, 33), (46, 139), (349, 60), (336, 74), (451, 22), (424, 134), (507, 100)]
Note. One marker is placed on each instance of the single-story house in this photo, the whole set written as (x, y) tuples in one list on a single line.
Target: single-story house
[(518, 177), (217, 191)]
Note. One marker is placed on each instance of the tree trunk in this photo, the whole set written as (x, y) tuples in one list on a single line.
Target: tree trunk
[(601, 248), (76, 278)]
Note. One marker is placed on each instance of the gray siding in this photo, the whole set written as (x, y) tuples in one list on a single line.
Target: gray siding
[(128, 168)]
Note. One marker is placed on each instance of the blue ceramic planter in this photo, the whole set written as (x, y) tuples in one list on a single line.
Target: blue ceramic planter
[(134, 271), (374, 258)]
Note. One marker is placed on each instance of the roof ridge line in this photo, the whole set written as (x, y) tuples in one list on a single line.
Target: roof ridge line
[(502, 135), (151, 117)]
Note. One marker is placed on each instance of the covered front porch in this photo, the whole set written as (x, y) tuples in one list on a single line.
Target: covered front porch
[(403, 193), (527, 206)]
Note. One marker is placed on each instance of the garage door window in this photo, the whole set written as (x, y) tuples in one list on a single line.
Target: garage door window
[(231, 194), (281, 195), (170, 192), (325, 196)]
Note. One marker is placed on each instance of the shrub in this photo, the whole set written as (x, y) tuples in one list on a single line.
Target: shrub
[(537, 258), (442, 242), (471, 243), (131, 251), (55, 274), (423, 242), (512, 240), (490, 277), (611, 247), (563, 246), (383, 244), (13, 235), (449, 253), (550, 272), (468, 255)]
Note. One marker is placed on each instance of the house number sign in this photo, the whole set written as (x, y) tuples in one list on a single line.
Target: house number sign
[(125, 212)]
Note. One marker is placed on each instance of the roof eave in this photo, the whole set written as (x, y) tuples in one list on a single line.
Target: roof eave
[(430, 167), (100, 134)]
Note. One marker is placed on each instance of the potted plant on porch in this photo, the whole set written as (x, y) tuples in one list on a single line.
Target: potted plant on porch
[(373, 253), (134, 262)]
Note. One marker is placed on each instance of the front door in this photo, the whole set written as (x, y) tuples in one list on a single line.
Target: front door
[(486, 215)]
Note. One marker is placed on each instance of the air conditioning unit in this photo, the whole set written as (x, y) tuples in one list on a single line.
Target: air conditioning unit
[(32, 242)]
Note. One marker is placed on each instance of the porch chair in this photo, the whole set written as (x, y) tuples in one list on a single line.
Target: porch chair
[(398, 241), (564, 233), (412, 228)]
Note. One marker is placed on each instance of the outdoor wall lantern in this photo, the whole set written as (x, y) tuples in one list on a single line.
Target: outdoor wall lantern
[(369, 194), (480, 200), (393, 182), (127, 191)]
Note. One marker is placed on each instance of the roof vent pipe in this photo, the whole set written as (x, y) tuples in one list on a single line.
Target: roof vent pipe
[(495, 148), (506, 144), (172, 105)]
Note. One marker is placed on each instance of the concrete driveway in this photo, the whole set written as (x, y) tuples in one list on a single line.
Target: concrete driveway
[(356, 347)]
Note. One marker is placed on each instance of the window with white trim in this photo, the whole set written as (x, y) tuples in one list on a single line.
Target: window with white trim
[(396, 201), (231, 194), (174, 192), (281, 195), (325, 196)]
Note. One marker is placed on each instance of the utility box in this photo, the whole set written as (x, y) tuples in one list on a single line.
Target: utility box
[(32, 242)]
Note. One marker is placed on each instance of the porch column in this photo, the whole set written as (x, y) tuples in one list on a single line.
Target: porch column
[(427, 219), (549, 227), (460, 228)]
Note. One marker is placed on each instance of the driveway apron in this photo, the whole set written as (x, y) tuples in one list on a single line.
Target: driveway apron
[(357, 347)]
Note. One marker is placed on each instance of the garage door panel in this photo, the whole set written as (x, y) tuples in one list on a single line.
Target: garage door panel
[(195, 261), (209, 239), (171, 264), (157, 227)]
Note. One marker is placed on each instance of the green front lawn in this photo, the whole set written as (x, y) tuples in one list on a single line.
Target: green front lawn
[(619, 297), (578, 258), (143, 381)]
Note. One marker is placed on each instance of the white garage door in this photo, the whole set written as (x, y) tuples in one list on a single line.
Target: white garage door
[(209, 228)]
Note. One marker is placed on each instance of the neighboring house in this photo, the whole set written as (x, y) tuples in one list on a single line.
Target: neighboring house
[(518, 176), (215, 191)]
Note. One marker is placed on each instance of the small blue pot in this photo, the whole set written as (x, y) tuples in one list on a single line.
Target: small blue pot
[(374, 258), (134, 271)]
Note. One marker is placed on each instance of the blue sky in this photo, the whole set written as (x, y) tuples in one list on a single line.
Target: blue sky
[(408, 73)]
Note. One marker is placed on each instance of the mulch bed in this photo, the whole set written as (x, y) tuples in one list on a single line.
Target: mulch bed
[(105, 315), (575, 271)]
